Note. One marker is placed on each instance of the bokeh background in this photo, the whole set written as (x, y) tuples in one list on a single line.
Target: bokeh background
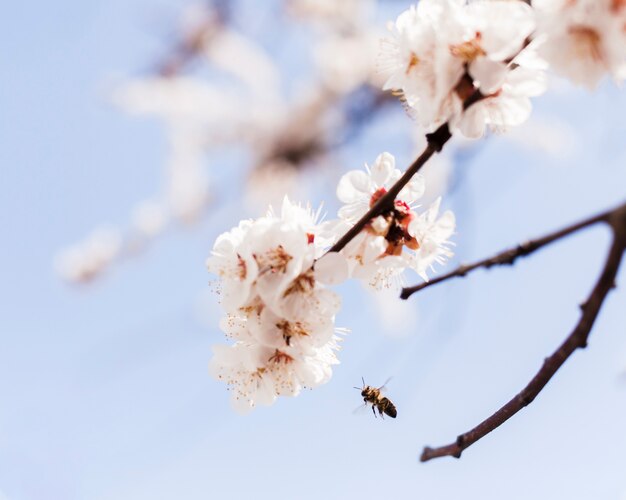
[(104, 391)]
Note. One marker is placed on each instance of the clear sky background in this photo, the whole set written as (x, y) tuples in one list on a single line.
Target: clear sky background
[(104, 391)]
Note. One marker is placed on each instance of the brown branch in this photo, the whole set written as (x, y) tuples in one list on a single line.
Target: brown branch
[(508, 257), (577, 339)]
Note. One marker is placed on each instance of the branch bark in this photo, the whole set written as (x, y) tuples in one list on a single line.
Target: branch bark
[(576, 339)]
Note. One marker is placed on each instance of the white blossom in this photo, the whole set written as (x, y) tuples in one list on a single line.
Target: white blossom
[(340, 15), (443, 51), (149, 218), (584, 39), (85, 260), (278, 311), (380, 253)]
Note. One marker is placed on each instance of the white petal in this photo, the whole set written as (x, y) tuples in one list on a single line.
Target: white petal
[(489, 74), (414, 190), (382, 169), (354, 186), (331, 269)]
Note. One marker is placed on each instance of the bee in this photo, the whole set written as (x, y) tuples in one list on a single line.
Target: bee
[(378, 402)]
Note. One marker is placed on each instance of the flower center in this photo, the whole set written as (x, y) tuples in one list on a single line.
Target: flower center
[(280, 357), (274, 260), (302, 284), (618, 5), (587, 42), (291, 329), (470, 50), (241, 268), (378, 194), (413, 62)]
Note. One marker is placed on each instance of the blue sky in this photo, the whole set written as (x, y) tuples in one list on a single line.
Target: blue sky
[(104, 392)]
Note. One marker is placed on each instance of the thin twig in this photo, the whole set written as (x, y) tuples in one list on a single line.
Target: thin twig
[(577, 339), (508, 257)]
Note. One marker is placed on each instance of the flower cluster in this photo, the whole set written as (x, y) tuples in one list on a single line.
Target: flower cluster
[(278, 312), (274, 270), (444, 51)]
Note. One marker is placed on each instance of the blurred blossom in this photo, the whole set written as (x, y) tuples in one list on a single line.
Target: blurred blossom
[(148, 218), (332, 53), (332, 13), (270, 182), (244, 59), (188, 180), (86, 259), (179, 101), (297, 139), (584, 40)]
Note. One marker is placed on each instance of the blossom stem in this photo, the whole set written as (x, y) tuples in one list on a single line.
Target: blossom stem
[(616, 219)]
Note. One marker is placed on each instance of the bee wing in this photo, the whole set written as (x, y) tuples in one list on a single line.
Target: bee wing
[(359, 409), (383, 387)]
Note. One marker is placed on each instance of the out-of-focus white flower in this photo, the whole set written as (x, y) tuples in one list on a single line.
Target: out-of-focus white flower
[(188, 184), (85, 260), (387, 246), (442, 51), (332, 13), (346, 62), (246, 60), (270, 181), (149, 218), (278, 311), (177, 99), (584, 39)]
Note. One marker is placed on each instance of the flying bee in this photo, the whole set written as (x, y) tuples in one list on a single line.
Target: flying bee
[(378, 402)]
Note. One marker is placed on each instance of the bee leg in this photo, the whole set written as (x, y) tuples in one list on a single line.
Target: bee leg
[(374, 411)]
